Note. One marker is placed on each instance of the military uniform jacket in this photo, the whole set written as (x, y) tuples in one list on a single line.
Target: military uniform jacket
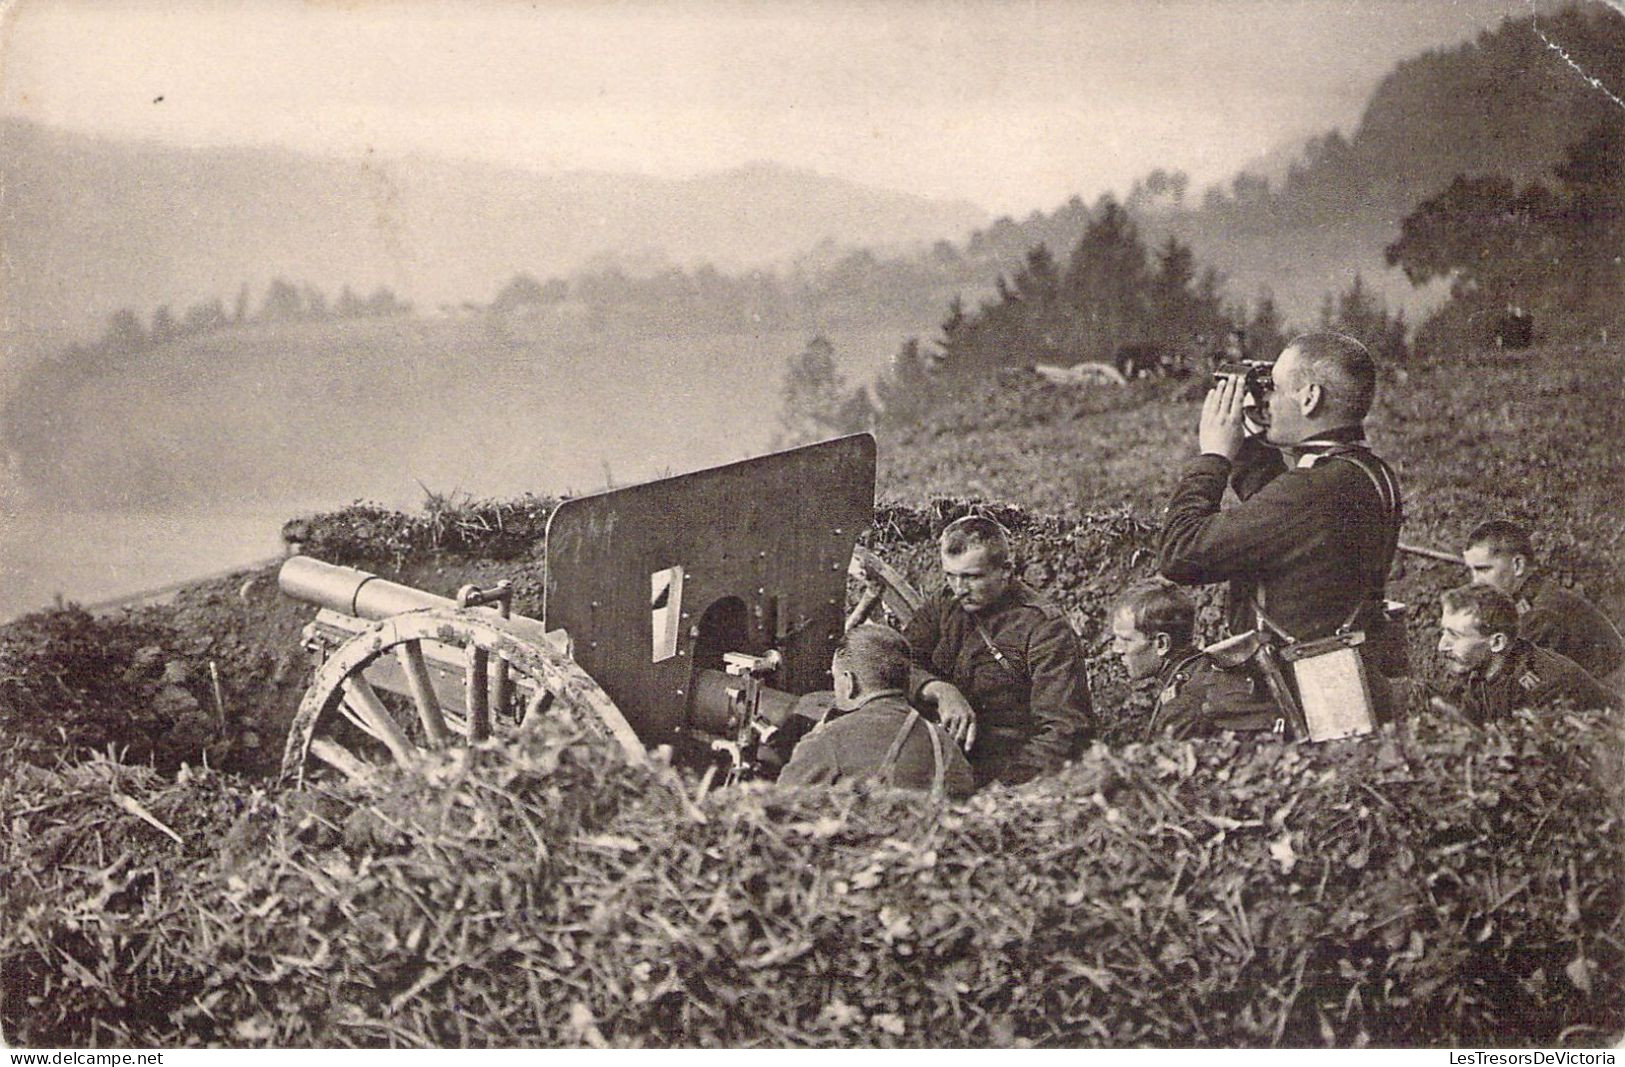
[(1532, 677), (1555, 618), (1196, 698), (850, 745), (1182, 686), (1304, 542), (1033, 711)]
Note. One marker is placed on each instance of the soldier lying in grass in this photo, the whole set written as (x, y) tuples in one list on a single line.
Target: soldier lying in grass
[(1501, 555)]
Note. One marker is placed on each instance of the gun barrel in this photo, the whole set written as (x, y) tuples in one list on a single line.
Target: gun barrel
[(351, 591), (362, 595), (365, 596)]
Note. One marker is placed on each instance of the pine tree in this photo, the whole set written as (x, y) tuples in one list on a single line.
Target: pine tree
[(282, 302), (908, 390), (522, 290), (124, 333), (163, 325), (815, 401), (1266, 332), (1106, 285), (204, 316)]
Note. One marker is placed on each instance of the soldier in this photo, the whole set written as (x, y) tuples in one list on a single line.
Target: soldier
[(1307, 549), (999, 663), (1500, 555), (871, 732), (1499, 671), (1153, 632)]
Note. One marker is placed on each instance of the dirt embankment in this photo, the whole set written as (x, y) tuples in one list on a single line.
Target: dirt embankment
[(216, 673)]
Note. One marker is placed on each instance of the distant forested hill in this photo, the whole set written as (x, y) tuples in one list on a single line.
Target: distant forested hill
[(93, 225), (1509, 102)]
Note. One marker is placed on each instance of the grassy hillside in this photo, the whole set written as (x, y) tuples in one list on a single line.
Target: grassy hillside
[(1533, 436)]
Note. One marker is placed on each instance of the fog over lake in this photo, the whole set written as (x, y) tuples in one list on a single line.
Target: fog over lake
[(192, 465)]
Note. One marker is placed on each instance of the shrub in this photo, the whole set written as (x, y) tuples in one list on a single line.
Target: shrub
[(366, 533)]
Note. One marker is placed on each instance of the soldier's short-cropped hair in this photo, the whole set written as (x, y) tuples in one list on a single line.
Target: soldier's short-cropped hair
[(877, 654), (1341, 366), (1503, 537), (1159, 607), (977, 531), (1493, 609)]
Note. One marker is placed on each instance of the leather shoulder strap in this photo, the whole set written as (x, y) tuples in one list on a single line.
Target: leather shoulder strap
[(888, 765), (998, 656), (939, 761), (939, 758), (1387, 487)]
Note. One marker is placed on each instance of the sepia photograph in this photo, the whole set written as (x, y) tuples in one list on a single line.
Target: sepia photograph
[(812, 524)]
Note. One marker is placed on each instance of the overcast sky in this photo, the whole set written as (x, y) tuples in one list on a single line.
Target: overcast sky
[(1012, 105)]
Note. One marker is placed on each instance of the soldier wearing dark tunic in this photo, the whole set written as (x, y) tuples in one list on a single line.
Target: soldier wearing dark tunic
[(1500, 672), (1000, 665), (871, 732), (1153, 632), (1500, 554), (1306, 551)]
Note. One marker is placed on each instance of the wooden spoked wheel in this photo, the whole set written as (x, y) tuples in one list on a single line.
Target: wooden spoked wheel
[(347, 724), (885, 585)]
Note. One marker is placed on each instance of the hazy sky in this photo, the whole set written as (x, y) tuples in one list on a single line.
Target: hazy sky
[(1012, 105)]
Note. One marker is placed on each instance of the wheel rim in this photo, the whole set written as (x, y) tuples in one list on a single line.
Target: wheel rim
[(494, 653), (897, 594)]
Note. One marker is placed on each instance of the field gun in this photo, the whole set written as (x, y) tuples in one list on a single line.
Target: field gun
[(688, 612)]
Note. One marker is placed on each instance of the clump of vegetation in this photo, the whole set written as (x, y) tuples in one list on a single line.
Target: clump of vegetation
[(450, 523), (1445, 888)]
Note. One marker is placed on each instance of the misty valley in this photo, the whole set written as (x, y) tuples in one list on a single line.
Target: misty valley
[(191, 462)]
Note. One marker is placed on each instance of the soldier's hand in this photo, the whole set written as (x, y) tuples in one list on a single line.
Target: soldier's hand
[(955, 714), (1223, 429)]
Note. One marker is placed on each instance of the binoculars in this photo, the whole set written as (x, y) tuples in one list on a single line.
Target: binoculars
[(1258, 377)]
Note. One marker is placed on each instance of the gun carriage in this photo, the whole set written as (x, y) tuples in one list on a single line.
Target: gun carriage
[(687, 612)]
